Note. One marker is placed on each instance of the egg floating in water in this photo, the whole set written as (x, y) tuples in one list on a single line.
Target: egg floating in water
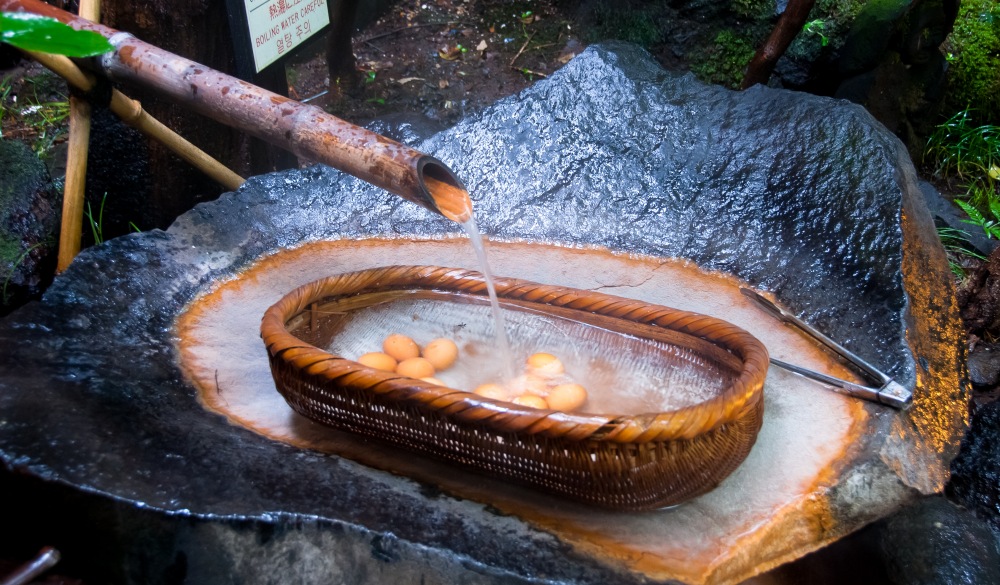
[(545, 365), (492, 391), (531, 400), (566, 397), (402, 355), (415, 367), (379, 361), (400, 347), (442, 353), (543, 385)]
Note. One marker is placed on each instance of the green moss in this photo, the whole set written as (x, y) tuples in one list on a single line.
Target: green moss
[(725, 60), (753, 9), (834, 20), (10, 250), (974, 52)]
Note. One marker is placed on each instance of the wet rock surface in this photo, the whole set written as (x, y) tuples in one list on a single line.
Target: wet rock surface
[(975, 481), (984, 365), (797, 195), (29, 223), (935, 542)]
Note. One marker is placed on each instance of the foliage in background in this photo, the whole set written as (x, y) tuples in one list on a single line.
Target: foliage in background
[(31, 32), (816, 28), (957, 247), (753, 9), (830, 21), (968, 152), (34, 117), (990, 224), (726, 61), (974, 52), (96, 222), (963, 149)]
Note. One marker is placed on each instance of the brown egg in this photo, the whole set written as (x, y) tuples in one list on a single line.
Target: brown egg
[(528, 384), (379, 361), (432, 380), (545, 365), (567, 397), (400, 347), (416, 367), (531, 400), (441, 352), (494, 391)]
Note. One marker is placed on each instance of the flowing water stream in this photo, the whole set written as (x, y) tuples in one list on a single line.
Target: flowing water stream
[(500, 326)]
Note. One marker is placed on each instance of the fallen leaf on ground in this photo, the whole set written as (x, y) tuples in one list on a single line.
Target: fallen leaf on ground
[(406, 80), (450, 53)]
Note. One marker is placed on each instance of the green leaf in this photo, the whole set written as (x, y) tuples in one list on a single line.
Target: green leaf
[(31, 32), (976, 218), (994, 204)]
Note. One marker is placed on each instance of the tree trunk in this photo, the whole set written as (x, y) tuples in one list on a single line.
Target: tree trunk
[(198, 30), (787, 28), (339, 52)]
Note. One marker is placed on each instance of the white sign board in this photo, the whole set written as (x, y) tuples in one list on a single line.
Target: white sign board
[(278, 26)]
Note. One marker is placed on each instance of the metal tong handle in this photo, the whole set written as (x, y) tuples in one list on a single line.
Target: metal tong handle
[(888, 392)]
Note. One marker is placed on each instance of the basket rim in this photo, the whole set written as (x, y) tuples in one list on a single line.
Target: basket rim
[(685, 422)]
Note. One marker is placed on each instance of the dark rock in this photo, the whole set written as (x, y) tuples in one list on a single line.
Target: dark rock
[(29, 224), (979, 296), (948, 215), (891, 64), (408, 128), (867, 41), (935, 542), (984, 365), (806, 197), (975, 472)]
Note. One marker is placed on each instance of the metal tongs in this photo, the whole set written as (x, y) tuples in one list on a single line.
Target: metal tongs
[(887, 390)]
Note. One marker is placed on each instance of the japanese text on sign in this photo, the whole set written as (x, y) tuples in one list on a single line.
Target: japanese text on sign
[(278, 26)]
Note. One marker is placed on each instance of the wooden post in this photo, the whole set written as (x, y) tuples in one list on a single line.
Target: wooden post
[(787, 28), (199, 30), (74, 189), (339, 51), (71, 230)]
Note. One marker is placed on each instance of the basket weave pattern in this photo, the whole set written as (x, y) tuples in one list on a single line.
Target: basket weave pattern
[(625, 462)]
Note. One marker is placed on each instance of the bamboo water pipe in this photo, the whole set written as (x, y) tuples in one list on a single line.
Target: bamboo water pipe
[(305, 130), (130, 111)]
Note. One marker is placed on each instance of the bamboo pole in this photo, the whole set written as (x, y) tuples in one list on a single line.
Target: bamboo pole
[(74, 189), (71, 230), (131, 112), (304, 130), (90, 9)]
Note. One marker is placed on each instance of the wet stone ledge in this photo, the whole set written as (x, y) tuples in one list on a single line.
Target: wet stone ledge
[(805, 197)]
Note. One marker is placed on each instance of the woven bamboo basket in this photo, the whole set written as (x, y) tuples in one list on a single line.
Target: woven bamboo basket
[(622, 462)]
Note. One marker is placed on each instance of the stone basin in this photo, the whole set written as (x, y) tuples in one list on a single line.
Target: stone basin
[(140, 381)]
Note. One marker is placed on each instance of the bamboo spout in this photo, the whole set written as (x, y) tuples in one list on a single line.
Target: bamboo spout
[(305, 130)]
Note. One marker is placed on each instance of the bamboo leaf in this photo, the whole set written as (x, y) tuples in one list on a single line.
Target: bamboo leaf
[(31, 32)]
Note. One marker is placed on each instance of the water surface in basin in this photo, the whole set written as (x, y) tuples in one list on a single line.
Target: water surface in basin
[(623, 373), (807, 429)]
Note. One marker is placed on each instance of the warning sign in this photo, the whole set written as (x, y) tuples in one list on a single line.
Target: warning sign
[(278, 26)]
